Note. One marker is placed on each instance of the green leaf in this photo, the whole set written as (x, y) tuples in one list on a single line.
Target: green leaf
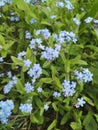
[(54, 71), (39, 103), (20, 87), (88, 100), (65, 118), (1, 96), (94, 10), (46, 80), (76, 126), (46, 64), (4, 53), (87, 118), (2, 40), (8, 45), (33, 118), (45, 23), (52, 125), (63, 57), (17, 61), (28, 53), (36, 117), (57, 83), (24, 7), (41, 111), (33, 59), (77, 61), (92, 124), (25, 68), (55, 107), (96, 117)]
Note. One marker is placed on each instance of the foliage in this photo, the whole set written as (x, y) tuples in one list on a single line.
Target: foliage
[(48, 64)]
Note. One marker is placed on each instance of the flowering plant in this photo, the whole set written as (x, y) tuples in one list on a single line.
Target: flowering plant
[(48, 65)]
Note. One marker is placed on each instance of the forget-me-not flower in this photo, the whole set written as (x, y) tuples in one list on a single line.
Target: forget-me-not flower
[(29, 87), (26, 108)]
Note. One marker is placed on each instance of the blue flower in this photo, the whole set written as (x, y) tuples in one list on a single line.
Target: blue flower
[(5, 110), (1, 59), (26, 108), (27, 1), (69, 5), (39, 89), (44, 32), (28, 35), (77, 21), (60, 4), (10, 85), (43, 1), (21, 55), (46, 107), (53, 16), (28, 87), (88, 20), (65, 36), (95, 21), (56, 94), (33, 21), (81, 102), (32, 44), (27, 63), (9, 74), (35, 71), (50, 53), (2, 3), (68, 88), (84, 75)]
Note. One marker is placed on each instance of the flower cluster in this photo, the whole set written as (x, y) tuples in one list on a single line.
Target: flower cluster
[(46, 35), (34, 43), (13, 17), (56, 94), (3, 2), (10, 85), (69, 5), (60, 4), (35, 72), (5, 110), (84, 75), (65, 36), (44, 32), (26, 108), (28, 35), (50, 53), (27, 63), (68, 88), (21, 55), (66, 4), (88, 20), (29, 87)]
